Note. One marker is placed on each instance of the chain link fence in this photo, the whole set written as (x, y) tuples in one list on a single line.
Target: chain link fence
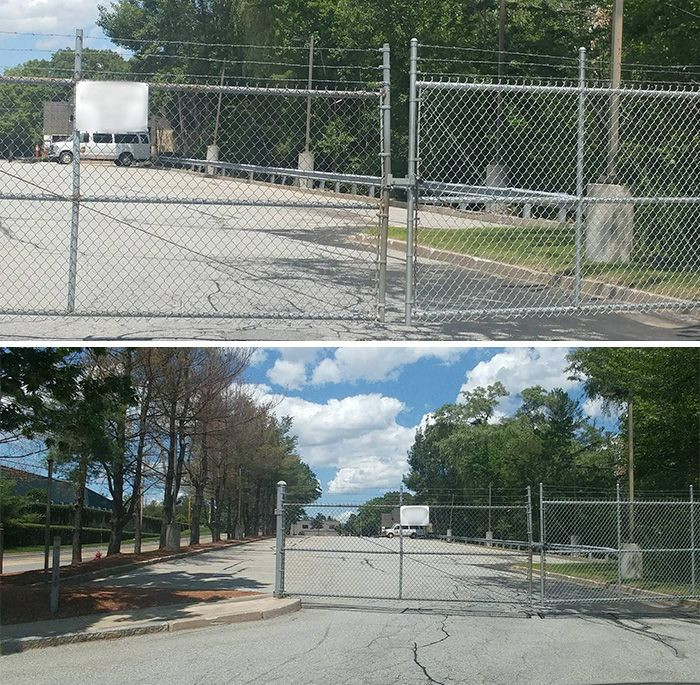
[(546, 197), (237, 199), (524, 555)]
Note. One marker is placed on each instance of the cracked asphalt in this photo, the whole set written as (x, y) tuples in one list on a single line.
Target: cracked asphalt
[(286, 266), (330, 643), (322, 646)]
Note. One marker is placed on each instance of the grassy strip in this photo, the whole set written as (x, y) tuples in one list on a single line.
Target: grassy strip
[(606, 572), (552, 249)]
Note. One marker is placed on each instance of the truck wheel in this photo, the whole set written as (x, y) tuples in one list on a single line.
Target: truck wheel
[(413, 535), (390, 535), (65, 157), (125, 159)]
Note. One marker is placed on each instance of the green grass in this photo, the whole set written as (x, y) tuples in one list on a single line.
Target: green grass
[(551, 249), (40, 548), (606, 572)]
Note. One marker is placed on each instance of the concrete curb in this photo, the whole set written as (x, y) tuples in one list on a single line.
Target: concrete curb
[(278, 607), (589, 286)]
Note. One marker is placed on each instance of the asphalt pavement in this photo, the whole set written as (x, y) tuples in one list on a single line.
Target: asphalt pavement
[(282, 264), (332, 646)]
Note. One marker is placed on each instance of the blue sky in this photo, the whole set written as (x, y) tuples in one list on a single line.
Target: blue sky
[(356, 409), (46, 17)]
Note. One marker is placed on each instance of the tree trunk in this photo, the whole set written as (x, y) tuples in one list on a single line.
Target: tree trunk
[(195, 530), (77, 555)]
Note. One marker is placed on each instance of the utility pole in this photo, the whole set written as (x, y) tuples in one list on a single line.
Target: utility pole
[(218, 106), (307, 146), (47, 530), (501, 36), (630, 462), (615, 78)]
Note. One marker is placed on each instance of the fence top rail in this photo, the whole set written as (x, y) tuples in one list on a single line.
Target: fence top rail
[(626, 502), (211, 88), (36, 80), (535, 87), (312, 505), (264, 90)]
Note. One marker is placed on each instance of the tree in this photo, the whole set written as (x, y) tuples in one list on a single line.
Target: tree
[(664, 384)]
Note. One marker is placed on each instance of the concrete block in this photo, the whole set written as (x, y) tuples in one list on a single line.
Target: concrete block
[(172, 537), (609, 226), (489, 536), (496, 177), (630, 561), (306, 163), (212, 156)]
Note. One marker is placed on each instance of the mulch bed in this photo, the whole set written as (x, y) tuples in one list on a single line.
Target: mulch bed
[(31, 603), (113, 561)]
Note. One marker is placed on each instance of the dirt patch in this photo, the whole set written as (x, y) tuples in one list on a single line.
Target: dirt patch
[(31, 603), (113, 561)]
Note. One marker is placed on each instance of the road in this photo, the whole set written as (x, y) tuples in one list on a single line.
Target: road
[(332, 646), (343, 643), (285, 264)]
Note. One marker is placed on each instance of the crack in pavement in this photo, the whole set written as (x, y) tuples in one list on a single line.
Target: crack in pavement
[(645, 630), (423, 668)]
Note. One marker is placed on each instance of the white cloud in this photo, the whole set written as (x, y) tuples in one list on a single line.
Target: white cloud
[(258, 357), (519, 368), (367, 473), (352, 364), (359, 436), (48, 16), (288, 374)]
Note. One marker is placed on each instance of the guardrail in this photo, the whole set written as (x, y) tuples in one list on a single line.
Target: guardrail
[(281, 175)]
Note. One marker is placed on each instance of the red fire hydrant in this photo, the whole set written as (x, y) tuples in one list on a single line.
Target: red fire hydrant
[(98, 555)]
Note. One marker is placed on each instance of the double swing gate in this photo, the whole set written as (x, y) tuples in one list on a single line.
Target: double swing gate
[(264, 201), (522, 556)]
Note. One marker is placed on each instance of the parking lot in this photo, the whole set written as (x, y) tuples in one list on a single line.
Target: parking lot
[(164, 249)]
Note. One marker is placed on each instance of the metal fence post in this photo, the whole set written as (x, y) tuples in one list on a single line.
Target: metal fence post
[(47, 521), (580, 147), (385, 154), (529, 546), (619, 535), (279, 545), (542, 538), (75, 165), (692, 542), (412, 178), (400, 544), (55, 570)]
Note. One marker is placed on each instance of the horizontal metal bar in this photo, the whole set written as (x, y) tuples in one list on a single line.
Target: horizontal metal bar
[(495, 191), (559, 89), (428, 314), (360, 179), (642, 596), (485, 507), (36, 80), (110, 199), (622, 502), (406, 552), (408, 599), (262, 90)]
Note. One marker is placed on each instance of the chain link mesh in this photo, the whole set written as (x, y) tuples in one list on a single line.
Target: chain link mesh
[(602, 550), (529, 203), (465, 553), (552, 552), (220, 208)]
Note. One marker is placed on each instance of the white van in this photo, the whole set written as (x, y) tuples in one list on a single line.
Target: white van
[(123, 148), (405, 531)]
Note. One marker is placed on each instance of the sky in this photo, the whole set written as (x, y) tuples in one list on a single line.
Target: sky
[(47, 17), (356, 410)]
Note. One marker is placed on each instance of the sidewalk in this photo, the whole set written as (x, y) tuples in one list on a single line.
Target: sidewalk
[(23, 636)]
